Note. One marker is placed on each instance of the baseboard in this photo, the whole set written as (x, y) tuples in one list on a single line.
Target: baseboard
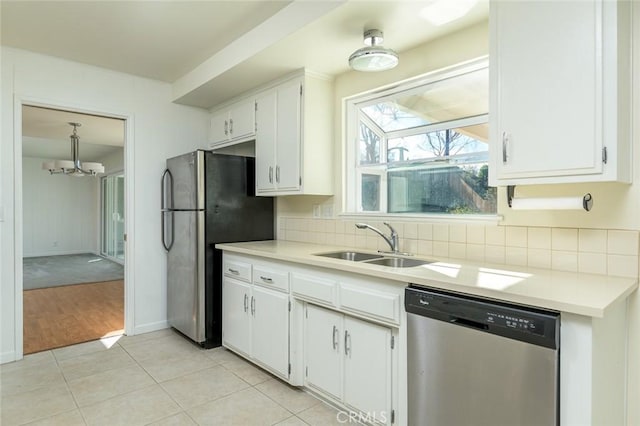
[(7, 357), (148, 328), (59, 253)]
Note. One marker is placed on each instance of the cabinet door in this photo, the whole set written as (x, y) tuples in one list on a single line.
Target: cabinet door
[(242, 120), (367, 368), (219, 128), (270, 329), (288, 136), (265, 141), (322, 349), (546, 79), (236, 314)]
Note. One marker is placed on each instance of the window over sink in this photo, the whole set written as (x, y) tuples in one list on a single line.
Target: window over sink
[(421, 147)]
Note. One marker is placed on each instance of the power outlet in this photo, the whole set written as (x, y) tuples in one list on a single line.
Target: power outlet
[(317, 212), (327, 211)]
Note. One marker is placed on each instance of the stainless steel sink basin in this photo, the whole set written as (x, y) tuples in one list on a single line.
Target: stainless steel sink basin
[(398, 262), (353, 256)]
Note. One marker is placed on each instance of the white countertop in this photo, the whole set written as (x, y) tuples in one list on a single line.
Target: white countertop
[(577, 293)]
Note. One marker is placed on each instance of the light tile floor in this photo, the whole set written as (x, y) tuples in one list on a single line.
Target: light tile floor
[(157, 378)]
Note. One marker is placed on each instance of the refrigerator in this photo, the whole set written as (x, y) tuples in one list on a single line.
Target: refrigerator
[(207, 198)]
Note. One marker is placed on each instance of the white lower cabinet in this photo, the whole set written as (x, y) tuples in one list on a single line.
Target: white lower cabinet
[(270, 334), (322, 348), (255, 322), (351, 360), (236, 316)]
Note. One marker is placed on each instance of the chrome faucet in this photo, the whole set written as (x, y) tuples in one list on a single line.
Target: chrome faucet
[(392, 239)]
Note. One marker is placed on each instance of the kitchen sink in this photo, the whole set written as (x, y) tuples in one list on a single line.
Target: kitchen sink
[(398, 262), (353, 256)]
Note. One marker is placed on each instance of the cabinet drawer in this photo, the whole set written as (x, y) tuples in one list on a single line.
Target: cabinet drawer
[(270, 278), (372, 303), (238, 270), (313, 288)]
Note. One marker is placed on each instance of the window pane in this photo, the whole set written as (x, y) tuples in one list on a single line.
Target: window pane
[(457, 97), (390, 116), (370, 193), (442, 143), (369, 147), (449, 189)]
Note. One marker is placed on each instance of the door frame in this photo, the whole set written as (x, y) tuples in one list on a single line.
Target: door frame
[(129, 303)]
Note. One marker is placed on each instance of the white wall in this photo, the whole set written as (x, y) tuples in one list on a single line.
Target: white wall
[(59, 212), (159, 129), (113, 162)]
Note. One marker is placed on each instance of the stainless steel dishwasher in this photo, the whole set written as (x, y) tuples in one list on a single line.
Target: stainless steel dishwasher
[(478, 362)]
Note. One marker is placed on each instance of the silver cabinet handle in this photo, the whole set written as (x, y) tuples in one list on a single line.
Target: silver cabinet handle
[(231, 126), (270, 174), (233, 271), (253, 306), (246, 303), (277, 174), (505, 142), (266, 279), (226, 128), (347, 342), (334, 336)]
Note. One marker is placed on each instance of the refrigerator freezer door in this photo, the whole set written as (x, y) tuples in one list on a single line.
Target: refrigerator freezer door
[(187, 172), (233, 213), (186, 275)]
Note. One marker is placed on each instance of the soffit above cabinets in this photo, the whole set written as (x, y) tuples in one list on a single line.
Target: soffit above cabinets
[(212, 51)]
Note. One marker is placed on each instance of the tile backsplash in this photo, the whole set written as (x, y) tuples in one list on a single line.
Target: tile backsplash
[(599, 251)]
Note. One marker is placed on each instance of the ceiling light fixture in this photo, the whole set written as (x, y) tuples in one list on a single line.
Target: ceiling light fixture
[(374, 57), (74, 167)]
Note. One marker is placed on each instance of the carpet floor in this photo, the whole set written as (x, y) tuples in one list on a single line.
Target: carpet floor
[(52, 271), (63, 316)]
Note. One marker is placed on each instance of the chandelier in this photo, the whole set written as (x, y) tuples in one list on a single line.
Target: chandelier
[(74, 167)]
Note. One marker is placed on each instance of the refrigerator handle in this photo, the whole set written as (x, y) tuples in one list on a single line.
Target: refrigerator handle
[(166, 194), (163, 209), (164, 240)]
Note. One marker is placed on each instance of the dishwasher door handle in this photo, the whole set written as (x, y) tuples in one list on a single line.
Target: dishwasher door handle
[(468, 323)]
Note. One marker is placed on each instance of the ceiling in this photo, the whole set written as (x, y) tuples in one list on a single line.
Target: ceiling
[(213, 50), (46, 134)]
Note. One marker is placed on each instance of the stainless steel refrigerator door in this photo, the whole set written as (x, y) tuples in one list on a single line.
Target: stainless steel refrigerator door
[(460, 376), (186, 275), (187, 181)]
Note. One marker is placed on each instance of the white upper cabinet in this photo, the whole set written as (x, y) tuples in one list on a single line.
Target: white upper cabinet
[(560, 92), (294, 140), (232, 124)]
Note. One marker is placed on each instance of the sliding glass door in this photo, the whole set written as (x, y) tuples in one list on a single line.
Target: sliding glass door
[(113, 216)]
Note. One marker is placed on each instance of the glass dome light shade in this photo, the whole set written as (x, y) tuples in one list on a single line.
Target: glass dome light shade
[(371, 59)]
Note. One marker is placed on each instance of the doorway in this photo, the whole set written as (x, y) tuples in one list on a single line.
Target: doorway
[(72, 292)]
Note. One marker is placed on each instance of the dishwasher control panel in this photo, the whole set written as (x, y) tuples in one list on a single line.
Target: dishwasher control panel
[(522, 323), (501, 318)]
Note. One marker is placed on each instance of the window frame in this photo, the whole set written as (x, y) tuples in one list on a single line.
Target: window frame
[(353, 171)]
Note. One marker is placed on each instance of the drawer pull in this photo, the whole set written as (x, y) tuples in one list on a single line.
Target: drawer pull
[(266, 279), (234, 271)]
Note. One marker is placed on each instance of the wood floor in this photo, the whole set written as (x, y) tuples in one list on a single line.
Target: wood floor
[(63, 316)]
